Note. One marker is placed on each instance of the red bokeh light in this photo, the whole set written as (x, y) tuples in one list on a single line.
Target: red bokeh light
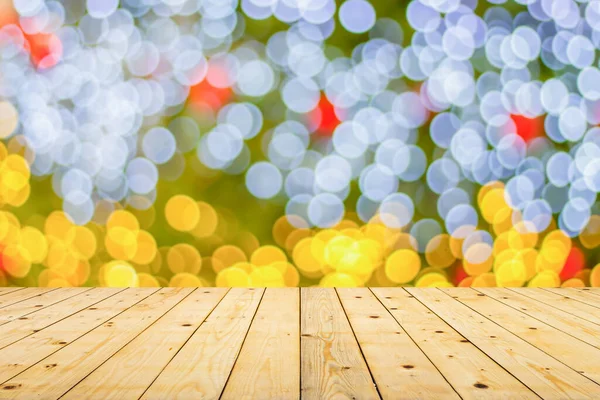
[(459, 274), (324, 117), (45, 49), (575, 263), (205, 94), (528, 128)]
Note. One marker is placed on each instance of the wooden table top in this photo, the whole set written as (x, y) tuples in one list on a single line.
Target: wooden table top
[(289, 343)]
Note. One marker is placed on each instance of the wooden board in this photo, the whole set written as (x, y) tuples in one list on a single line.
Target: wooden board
[(583, 296), (20, 328), (570, 324), (201, 368), (331, 360), (6, 290), (131, 370), (470, 371), (269, 363), (56, 374), (20, 295), (25, 307), (57, 336), (561, 302), (567, 349), (290, 343), (542, 373), (387, 347), (591, 290)]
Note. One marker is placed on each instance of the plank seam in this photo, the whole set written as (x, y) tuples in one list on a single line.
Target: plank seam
[(550, 305), (589, 291), (242, 344), (184, 343), (520, 338), (28, 298), (11, 291), (39, 361), (474, 345), (125, 345), (412, 340), (537, 319), (358, 343), (49, 305), (59, 320), (596, 305)]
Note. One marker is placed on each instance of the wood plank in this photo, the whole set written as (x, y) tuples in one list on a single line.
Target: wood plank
[(578, 355), (315, 342), (589, 290), (332, 365), (398, 365), (128, 373), (543, 374), (470, 371), (561, 302), (26, 307), (9, 289), (20, 295), (33, 348), (268, 366), (56, 374), (592, 290), (18, 329), (572, 325), (579, 295), (201, 368)]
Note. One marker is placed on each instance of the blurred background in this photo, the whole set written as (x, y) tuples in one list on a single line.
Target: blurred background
[(299, 142)]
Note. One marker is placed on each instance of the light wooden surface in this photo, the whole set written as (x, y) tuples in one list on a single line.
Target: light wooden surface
[(313, 343)]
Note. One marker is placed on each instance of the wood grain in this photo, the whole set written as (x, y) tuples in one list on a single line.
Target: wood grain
[(591, 290), (59, 372), (269, 363), (57, 336), (570, 324), (579, 295), (202, 366), (18, 329), (332, 365), (290, 343), (472, 373), (21, 295), (37, 303), (130, 371), (561, 302), (542, 373), (387, 347), (6, 290), (577, 354)]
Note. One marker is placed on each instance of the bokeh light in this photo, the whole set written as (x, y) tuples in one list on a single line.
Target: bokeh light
[(299, 143)]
